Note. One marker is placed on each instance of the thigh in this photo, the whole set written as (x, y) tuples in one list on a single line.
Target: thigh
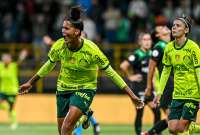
[(72, 116), (62, 101), (190, 110), (173, 124), (11, 100), (82, 99), (175, 110)]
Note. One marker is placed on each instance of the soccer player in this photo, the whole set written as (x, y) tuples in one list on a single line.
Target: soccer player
[(78, 131), (183, 55), (77, 82), (9, 84), (138, 62), (160, 36)]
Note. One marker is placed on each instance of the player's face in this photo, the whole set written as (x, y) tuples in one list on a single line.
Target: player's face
[(163, 30), (6, 58), (179, 29), (146, 41), (69, 32)]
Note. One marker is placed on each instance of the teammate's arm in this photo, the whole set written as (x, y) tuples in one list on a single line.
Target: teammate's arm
[(22, 56), (164, 78), (196, 63)]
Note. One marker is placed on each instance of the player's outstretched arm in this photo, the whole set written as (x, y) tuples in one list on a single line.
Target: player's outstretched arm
[(24, 88), (43, 71), (110, 72)]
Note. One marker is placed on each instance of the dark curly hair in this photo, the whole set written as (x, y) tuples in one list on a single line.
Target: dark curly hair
[(75, 17)]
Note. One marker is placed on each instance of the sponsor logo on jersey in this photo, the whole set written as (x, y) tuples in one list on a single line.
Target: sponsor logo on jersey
[(195, 57), (180, 67)]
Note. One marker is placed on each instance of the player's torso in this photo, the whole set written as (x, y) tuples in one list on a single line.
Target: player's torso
[(140, 65), (8, 78), (185, 84)]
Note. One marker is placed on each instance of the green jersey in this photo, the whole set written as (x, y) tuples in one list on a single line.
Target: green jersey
[(9, 78), (79, 69), (184, 60)]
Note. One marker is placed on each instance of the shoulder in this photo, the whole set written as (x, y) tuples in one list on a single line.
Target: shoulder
[(160, 44), (192, 44), (91, 46), (58, 44), (169, 45)]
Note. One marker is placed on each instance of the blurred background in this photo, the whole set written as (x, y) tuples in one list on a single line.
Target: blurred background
[(113, 24)]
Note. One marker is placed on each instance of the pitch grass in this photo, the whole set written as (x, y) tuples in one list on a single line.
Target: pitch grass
[(51, 129)]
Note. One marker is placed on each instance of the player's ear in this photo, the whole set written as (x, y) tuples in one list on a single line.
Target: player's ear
[(187, 30), (77, 32)]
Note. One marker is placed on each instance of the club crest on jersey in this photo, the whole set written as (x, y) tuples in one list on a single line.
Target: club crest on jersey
[(72, 60), (178, 57)]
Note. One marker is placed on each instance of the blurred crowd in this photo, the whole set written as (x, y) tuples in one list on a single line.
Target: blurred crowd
[(105, 21)]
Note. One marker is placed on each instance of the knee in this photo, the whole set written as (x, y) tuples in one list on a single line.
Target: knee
[(173, 129), (67, 127)]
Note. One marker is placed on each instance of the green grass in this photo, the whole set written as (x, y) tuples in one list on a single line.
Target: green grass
[(51, 129)]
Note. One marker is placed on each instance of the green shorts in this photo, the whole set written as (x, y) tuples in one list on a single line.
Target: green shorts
[(80, 98), (183, 108), (9, 98)]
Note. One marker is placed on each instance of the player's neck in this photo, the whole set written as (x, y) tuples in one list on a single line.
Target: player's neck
[(143, 49), (180, 41), (75, 44)]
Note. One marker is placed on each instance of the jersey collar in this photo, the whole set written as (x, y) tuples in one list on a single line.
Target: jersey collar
[(76, 50), (178, 48)]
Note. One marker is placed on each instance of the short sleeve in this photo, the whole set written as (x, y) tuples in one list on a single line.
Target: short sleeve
[(196, 56), (166, 58), (100, 59), (133, 59), (157, 53)]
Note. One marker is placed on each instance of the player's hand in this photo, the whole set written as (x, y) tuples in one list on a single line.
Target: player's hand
[(23, 54), (156, 100), (147, 92), (139, 103), (47, 40), (24, 88)]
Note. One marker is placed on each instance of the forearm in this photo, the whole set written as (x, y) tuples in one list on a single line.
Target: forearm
[(152, 66), (34, 79), (156, 82), (130, 93), (114, 76), (164, 78), (197, 71), (46, 68)]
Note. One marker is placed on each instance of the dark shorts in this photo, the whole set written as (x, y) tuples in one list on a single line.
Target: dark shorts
[(80, 98), (9, 98), (183, 108), (139, 90)]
